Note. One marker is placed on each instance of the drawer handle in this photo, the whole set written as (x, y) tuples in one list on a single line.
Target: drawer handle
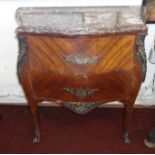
[(81, 92), (80, 59)]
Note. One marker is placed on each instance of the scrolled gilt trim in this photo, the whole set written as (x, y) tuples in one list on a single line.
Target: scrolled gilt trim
[(81, 59), (141, 54), (81, 92), (80, 107), (21, 55)]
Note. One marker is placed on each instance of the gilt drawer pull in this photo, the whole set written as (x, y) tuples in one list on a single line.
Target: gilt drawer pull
[(81, 92), (81, 59)]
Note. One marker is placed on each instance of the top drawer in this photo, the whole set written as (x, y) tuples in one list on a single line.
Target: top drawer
[(80, 54)]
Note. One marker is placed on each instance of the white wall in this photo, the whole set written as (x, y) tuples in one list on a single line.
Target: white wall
[(10, 90)]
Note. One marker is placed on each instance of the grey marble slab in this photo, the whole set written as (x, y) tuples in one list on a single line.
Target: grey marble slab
[(80, 20)]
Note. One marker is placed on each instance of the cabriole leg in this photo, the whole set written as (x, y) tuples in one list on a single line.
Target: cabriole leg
[(32, 103), (35, 115), (127, 118)]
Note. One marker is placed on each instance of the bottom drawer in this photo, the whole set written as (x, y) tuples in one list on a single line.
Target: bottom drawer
[(111, 86)]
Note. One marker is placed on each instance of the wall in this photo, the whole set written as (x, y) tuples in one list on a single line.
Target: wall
[(10, 90)]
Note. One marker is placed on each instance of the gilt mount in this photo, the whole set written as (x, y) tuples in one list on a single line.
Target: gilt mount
[(80, 59), (80, 108), (141, 54), (81, 92), (21, 55)]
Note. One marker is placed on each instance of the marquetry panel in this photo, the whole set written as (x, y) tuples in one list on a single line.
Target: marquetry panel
[(107, 53), (113, 60), (53, 86)]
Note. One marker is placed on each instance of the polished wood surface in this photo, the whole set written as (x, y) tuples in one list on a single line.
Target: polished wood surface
[(47, 61), (118, 55)]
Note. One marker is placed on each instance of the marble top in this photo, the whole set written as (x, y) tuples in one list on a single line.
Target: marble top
[(80, 20)]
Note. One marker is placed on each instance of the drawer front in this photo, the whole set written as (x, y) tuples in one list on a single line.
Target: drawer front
[(81, 69), (112, 86), (78, 55)]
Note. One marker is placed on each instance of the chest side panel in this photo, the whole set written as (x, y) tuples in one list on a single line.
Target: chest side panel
[(95, 64)]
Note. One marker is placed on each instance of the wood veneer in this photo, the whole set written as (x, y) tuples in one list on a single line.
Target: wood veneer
[(48, 54)]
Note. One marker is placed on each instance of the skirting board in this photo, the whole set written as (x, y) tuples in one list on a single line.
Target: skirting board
[(105, 105)]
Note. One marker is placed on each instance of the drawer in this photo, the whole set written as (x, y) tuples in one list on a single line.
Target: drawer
[(81, 54), (81, 68), (74, 88)]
